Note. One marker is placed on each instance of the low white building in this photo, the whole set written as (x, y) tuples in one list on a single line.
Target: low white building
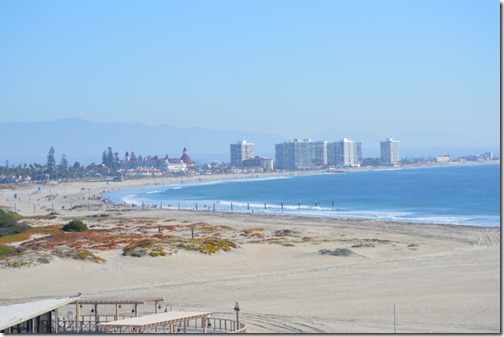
[(443, 159), (152, 165)]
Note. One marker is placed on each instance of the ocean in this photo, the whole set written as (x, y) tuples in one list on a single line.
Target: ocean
[(458, 194)]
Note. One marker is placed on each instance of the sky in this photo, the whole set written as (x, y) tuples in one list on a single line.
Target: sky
[(286, 67)]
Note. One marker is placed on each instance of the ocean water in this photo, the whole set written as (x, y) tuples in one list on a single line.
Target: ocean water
[(463, 195)]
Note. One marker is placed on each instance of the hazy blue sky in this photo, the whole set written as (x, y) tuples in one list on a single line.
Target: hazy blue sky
[(291, 68)]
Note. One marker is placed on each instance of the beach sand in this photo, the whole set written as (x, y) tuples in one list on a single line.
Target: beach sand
[(439, 278)]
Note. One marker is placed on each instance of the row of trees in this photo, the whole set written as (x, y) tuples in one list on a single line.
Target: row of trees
[(63, 169), (110, 159), (51, 170)]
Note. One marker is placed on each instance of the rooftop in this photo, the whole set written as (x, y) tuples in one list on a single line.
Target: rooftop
[(16, 313), (165, 317)]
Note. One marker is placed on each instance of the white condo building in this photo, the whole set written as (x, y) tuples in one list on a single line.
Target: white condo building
[(241, 151), (345, 152), (321, 153), (295, 154), (306, 154), (389, 150)]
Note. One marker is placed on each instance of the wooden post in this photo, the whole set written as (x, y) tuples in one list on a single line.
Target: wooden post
[(231, 206), (56, 319), (97, 319), (116, 317), (77, 317)]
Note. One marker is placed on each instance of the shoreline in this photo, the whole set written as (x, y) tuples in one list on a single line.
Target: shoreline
[(88, 196), (147, 197)]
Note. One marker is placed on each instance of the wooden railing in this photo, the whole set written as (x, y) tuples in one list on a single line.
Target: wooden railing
[(226, 325), (87, 324)]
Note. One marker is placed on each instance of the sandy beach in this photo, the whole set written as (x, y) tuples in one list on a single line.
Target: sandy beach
[(439, 278)]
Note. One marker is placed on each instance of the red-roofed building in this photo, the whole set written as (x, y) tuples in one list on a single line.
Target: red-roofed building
[(186, 159)]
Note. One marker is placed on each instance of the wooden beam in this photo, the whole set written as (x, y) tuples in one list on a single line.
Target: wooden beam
[(77, 317), (97, 318), (56, 319)]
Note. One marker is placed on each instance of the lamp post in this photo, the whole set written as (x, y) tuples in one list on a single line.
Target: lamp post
[(237, 309)]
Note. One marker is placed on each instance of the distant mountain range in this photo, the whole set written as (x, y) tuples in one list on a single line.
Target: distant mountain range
[(85, 141)]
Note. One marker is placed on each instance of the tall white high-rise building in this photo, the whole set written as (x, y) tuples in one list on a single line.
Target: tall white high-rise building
[(389, 150), (345, 152), (321, 153), (300, 154), (241, 151)]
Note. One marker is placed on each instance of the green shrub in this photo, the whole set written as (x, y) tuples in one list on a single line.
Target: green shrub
[(43, 259), (86, 255), (9, 223), (6, 250), (138, 249), (75, 226), (7, 218)]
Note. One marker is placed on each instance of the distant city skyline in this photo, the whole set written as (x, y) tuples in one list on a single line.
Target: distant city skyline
[(290, 68), (85, 141)]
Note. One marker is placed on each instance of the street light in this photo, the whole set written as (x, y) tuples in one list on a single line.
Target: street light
[(237, 309)]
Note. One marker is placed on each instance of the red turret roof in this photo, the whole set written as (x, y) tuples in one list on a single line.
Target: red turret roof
[(186, 159)]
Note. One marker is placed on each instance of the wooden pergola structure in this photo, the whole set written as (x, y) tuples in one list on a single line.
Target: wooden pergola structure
[(46, 316), (167, 322), (117, 302)]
